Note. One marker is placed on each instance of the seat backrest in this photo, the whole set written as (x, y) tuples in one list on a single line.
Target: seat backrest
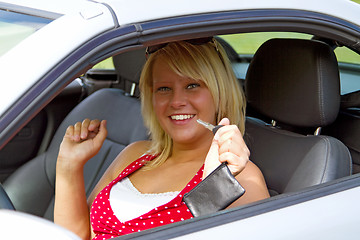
[(346, 128), (31, 188), (295, 83), (128, 66)]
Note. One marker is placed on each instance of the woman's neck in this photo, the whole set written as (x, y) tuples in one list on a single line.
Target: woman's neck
[(190, 152)]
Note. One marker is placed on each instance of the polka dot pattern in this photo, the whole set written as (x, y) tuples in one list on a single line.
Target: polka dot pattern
[(106, 225)]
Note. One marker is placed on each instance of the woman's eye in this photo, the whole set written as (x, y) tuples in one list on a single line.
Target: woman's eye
[(163, 89), (193, 85)]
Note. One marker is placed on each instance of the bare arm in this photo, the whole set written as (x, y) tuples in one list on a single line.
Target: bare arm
[(80, 143), (70, 209), (252, 180)]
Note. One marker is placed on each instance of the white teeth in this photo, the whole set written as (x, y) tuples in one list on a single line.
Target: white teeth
[(181, 117)]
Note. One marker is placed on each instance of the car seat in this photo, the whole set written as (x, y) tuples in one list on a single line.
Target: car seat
[(295, 83), (128, 66), (31, 188), (347, 126)]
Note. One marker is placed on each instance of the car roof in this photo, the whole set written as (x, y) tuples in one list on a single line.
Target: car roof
[(86, 19), (128, 12), (61, 7), (159, 9)]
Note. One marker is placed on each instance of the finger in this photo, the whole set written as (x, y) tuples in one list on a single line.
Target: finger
[(94, 125), (69, 132), (235, 163), (84, 129), (212, 159), (101, 136), (233, 159), (77, 131), (225, 146), (231, 140), (229, 132), (234, 144), (93, 128), (224, 121)]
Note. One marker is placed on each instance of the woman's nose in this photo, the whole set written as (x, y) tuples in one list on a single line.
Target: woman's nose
[(178, 99)]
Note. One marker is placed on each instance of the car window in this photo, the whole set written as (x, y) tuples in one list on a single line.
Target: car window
[(15, 27), (246, 44), (106, 64), (349, 67), (345, 55)]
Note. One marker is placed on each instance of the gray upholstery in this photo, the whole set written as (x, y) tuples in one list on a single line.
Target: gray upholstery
[(128, 66), (5, 202), (31, 188), (295, 82)]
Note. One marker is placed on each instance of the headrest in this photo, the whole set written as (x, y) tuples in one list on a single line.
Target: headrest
[(295, 82), (128, 66)]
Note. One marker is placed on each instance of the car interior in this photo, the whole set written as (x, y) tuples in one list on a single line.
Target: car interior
[(292, 161), (299, 130)]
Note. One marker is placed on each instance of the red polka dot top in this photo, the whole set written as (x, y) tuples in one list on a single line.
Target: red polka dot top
[(106, 225)]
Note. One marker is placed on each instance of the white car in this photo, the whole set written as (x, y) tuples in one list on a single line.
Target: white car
[(299, 63)]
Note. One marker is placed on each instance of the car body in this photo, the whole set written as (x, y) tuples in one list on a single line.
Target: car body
[(52, 62)]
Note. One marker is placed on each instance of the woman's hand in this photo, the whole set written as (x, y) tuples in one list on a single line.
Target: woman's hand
[(81, 142), (227, 146)]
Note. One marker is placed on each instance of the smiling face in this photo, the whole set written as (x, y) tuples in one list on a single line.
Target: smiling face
[(181, 83), (178, 102)]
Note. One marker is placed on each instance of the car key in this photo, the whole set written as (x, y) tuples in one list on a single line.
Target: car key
[(209, 126)]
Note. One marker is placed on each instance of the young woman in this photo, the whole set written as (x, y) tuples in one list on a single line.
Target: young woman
[(143, 188)]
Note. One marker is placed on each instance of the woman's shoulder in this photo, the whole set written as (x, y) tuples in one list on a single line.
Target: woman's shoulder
[(136, 149), (130, 154)]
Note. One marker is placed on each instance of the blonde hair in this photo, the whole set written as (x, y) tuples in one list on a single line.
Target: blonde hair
[(206, 62)]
